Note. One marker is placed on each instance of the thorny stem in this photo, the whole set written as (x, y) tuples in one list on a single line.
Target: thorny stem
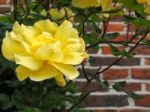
[(40, 2), (27, 8), (83, 96), (105, 26), (128, 28), (15, 9), (83, 33), (84, 71)]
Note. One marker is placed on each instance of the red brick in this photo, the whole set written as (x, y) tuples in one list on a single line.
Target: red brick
[(142, 50), (105, 100), (107, 50), (115, 74), (113, 27), (134, 110), (133, 87), (144, 101), (3, 1), (141, 73), (132, 28)]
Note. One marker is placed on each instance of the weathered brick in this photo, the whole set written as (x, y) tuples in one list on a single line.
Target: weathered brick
[(142, 50), (148, 87), (92, 51), (133, 87), (134, 110), (141, 73), (103, 111), (144, 101), (117, 18), (89, 71), (4, 9), (115, 74), (91, 87), (106, 100), (103, 61), (147, 61)]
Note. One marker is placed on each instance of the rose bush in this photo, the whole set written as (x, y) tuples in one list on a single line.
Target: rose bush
[(44, 44)]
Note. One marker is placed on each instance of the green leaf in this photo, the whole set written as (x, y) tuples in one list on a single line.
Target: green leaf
[(28, 109), (5, 102), (147, 42), (3, 27), (141, 22), (133, 5), (111, 35), (79, 110), (134, 95), (19, 99), (105, 84), (127, 54), (5, 19), (115, 50), (137, 21), (118, 86)]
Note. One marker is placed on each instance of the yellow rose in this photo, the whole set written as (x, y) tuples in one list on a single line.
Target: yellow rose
[(44, 50), (147, 10), (105, 4), (141, 1), (85, 3), (147, 3), (57, 15)]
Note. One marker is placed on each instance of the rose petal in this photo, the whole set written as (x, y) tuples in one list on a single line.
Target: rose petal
[(47, 26), (60, 80), (45, 72), (11, 47), (69, 71), (28, 62)]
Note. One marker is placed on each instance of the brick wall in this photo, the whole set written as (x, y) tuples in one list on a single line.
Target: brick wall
[(135, 71), (5, 6)]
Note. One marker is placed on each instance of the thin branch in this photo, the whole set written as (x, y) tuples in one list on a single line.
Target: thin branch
[(84, 71), (105, 26), (124, 56), (81, 99), (15, 2), (128, 27), (27, 8)]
